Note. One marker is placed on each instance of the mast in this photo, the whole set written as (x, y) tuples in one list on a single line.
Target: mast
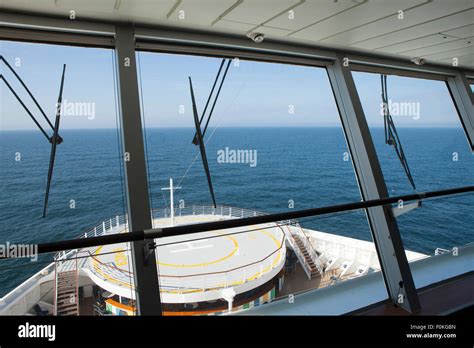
[(171, 188)]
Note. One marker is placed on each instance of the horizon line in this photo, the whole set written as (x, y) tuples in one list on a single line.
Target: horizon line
[(236, 127)]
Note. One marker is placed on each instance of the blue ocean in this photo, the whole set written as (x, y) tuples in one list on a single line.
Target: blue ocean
[(294, 168)]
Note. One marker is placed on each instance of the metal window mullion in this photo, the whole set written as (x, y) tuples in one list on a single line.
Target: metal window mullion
[(139, 213), (384, 228), (463, 99)]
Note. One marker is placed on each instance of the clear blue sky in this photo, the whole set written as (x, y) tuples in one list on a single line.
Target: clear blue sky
[(254, 94)]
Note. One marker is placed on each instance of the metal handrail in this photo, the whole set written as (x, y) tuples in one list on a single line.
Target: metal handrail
[(227, 272), (107, 225), (312, 251), (178, 230), (149, 234)]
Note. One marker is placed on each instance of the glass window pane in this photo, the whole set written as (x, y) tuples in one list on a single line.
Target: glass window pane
[(274, 143), (438, 155), (87, 192)]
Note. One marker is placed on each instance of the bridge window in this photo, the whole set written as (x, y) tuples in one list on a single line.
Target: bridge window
[(437, 153)]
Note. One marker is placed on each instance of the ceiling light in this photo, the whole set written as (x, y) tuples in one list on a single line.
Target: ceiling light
[(256, 37), (418, 61)]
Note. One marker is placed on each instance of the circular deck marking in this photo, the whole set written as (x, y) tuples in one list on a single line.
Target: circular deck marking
[(203, 264), (217, 262)]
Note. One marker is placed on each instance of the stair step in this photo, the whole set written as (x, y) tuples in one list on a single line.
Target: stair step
[(67, 281), (66, 297), (66, 289), (67, 314), (63, 297), (66, 292), (67, 306)]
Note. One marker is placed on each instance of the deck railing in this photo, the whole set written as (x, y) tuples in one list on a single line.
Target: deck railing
[(204, 281), (200, 282), (118, 224)]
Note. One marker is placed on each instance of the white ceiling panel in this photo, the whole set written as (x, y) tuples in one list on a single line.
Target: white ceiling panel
[(276, 32), (86, 5), (463, 32), (426, 41), (202, 12), (146, 9), (234, 26), (430, 40), (83, 8), (447, 46), (26, 5), (467, 60), (310, 12), (433, 27), (257, 11), (355, 17), (433, 30), (452, 53), (425, 12)]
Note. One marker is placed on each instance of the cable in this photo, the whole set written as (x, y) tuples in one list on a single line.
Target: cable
[(27, 90), (217, 96), (144, 130), (194, 141), (119, 138), (24, 107), (213, 131)]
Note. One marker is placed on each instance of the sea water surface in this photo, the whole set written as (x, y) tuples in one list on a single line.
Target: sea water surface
[(296, 168)]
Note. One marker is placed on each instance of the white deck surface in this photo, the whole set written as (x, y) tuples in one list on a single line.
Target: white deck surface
[(187, 265)]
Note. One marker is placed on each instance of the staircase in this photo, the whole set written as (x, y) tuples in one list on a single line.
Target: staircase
[(305, 252), (66, 301), (313, 269)]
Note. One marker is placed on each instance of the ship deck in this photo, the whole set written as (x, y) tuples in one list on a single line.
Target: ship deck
[(194, 263)]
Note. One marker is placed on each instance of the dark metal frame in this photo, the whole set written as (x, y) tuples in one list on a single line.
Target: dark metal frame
[(139, 211), (383, 225), (463, 98), (128, 39)]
